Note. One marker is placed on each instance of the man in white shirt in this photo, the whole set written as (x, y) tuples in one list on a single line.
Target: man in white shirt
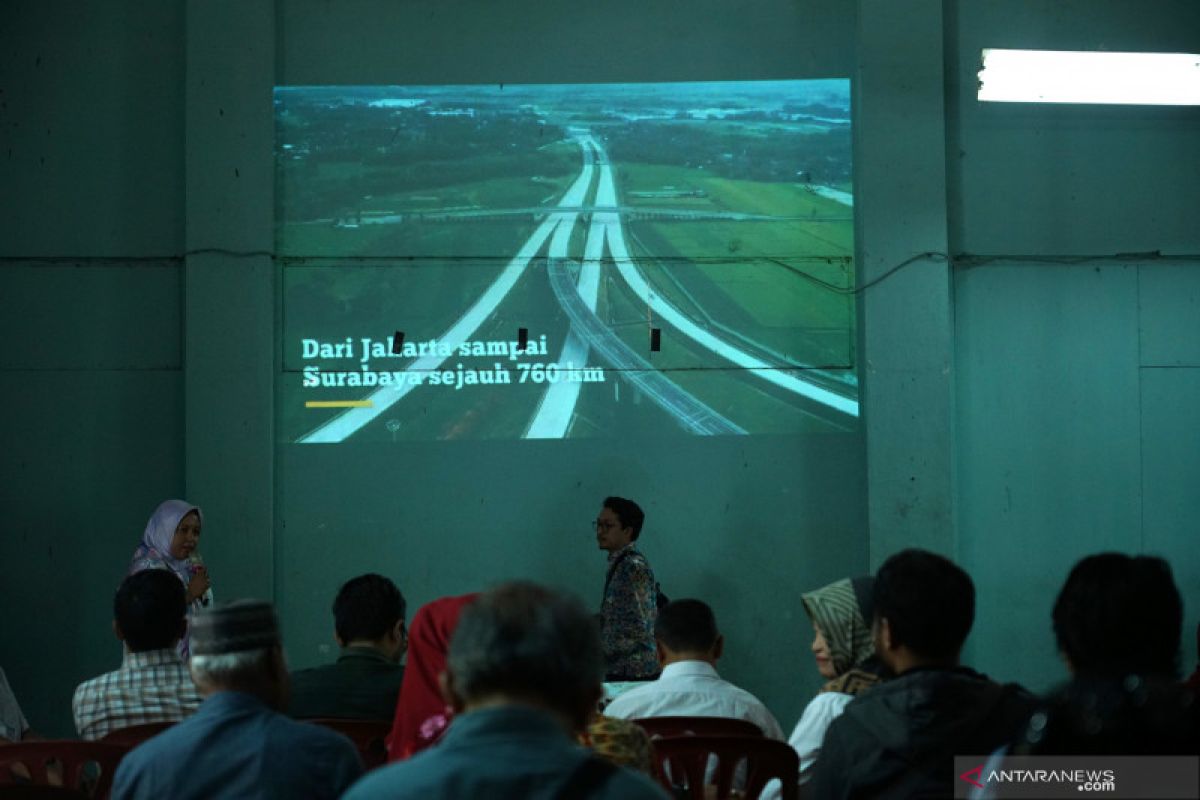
[(688, 645)]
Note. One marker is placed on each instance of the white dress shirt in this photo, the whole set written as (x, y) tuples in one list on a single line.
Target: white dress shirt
[(806, 739), (693, 689)]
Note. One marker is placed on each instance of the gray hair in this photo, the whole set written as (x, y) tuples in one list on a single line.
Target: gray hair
[(528, 641), (244, 668)]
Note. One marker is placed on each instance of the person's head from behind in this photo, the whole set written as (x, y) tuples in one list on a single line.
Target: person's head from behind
[(924, 606), (150, 610), (1119, 615), (236, 648), (618, 524), (686, 630), (369, 612), (524, 644)]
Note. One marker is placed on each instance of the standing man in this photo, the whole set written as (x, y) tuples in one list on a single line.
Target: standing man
[(630, 605)]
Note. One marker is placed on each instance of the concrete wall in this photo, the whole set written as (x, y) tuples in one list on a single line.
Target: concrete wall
[(726, 518), (1076, 379), (1021, 411), (91, 226)]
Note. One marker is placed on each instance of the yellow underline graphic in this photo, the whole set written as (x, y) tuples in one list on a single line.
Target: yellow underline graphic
[(339, 403)]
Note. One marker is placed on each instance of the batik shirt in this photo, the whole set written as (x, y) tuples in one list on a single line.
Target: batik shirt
[(627, 616), (152, 686)]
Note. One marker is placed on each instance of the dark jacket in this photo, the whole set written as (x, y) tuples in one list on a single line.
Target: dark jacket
[(899, 739), (362, 684), (1131, 715)]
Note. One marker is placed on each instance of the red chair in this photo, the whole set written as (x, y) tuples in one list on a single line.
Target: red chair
[(86, 767), (134, 735), (368, 735), (695, 763), (31, 792), (668, 727)]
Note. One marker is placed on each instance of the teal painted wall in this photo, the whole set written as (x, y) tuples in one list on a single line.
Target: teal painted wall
[(91, 434), (1076, 383), (1021, 412), (746, 524)]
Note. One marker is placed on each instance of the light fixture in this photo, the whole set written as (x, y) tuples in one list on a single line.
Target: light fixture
[(1066, 76)]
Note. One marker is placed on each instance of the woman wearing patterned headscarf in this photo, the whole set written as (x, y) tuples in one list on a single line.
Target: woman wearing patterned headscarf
[(171, 541), (845, 655)]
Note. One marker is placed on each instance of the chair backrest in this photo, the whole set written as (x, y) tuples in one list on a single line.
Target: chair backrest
[(134, 735), (686, 765), (30, 792), (368, 735), (87, 766), (665, 727)]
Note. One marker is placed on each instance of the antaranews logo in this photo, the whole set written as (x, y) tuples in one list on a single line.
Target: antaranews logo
[(972, 776), (1047, 777), (1082, 780)]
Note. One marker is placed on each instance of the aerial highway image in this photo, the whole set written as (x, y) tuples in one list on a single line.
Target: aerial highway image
[(551, 261)]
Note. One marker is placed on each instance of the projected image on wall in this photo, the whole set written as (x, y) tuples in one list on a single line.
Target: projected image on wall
[(554, 261)]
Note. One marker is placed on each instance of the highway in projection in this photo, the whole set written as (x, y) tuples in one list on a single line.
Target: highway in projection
[(639, 212), (578, 300), (693, 415), (342, 426), (578, 295), (556, 409), (615, 237)]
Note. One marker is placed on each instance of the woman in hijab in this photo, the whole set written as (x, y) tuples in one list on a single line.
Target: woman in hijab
[(421, 712), (422, 715), (845, 654), (171, 542)]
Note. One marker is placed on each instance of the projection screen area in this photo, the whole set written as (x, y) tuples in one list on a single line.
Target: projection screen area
[(565, 261)]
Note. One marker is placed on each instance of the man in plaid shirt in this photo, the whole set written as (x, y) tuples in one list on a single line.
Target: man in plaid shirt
[(153, 684)]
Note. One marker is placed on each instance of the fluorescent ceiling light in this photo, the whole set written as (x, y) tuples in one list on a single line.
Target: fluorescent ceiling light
[(1063, 76)]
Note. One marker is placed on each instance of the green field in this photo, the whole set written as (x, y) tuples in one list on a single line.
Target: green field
[(731, 391), (762, 283)]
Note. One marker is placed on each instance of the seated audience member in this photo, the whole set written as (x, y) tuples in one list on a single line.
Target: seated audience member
[(624, 743), (688, 646), (13, 726), (238, 744), (368, 622), (899, 739), (421, 712), (422, 715), (1117, 621), (153, 684), (845, 654), (523, 675), (630, 603)]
